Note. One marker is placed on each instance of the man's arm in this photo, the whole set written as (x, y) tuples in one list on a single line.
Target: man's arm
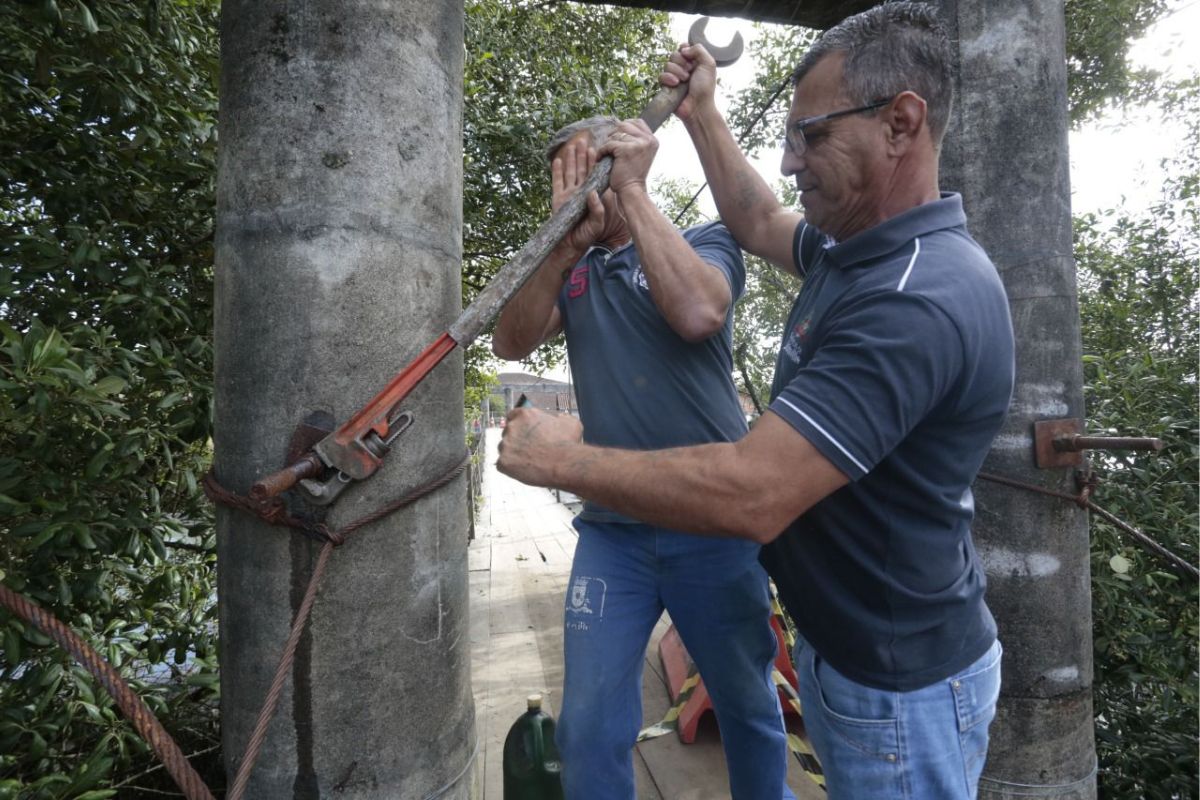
[(745, 202), (532, 316), (750, 489), (692, 295)]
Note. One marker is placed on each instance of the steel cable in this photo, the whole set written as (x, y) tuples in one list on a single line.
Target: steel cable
[(136, 710), (1084, 501), (333, 538), (131, 705)]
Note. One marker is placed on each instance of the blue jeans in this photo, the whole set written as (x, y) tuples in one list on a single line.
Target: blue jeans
[(927, 743), (622, 578)]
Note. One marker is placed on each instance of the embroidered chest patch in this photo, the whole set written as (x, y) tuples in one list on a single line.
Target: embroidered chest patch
[(797, 338)]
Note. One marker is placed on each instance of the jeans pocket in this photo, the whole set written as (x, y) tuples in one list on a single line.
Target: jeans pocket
[(864, 718), (976, 692)]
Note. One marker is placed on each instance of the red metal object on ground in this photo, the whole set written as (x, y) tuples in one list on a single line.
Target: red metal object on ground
[(678, 664)]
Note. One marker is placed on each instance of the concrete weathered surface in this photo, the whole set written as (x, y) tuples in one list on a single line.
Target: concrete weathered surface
[(338, 253), (1006, 152)]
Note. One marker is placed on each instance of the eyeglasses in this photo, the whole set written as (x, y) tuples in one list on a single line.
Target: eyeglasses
[(793, 137)]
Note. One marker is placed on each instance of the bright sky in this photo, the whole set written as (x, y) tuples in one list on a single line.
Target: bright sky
[(1113, 162), (1117, 161)]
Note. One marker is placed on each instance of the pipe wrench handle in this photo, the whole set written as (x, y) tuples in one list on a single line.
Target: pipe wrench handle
[(279, 482)]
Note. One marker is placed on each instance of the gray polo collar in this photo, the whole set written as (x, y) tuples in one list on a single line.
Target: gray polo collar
[(893, 234)]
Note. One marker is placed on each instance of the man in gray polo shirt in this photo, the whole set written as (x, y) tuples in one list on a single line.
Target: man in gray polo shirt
[(647, 312), (894, 374)]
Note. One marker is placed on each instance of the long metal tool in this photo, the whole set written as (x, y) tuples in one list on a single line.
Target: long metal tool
[(356, 449)]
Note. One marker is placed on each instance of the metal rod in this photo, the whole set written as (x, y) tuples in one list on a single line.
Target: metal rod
[(1074, 443)]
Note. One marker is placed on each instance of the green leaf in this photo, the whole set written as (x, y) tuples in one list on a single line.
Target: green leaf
[(110, 384), (84, 538), (89, 21), (170, 400), (37, 747), (15, 507), (12, 648), (27, 529), (92, 711), (158, 546), (46, 535), (205, 679), (97, 463)]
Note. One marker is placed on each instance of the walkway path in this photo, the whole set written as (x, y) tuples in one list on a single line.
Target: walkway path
[(520, 562)]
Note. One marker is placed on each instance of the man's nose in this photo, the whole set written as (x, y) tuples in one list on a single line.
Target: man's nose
[(790, 163)]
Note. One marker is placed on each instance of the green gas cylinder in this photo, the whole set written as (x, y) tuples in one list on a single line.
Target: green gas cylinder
[(531, 765)]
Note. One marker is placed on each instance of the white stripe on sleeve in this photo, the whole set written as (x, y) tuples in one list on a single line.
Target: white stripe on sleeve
[(824, 433), (911, 262)]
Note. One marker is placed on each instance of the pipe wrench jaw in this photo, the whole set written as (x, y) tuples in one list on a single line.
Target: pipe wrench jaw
[(324, 491)]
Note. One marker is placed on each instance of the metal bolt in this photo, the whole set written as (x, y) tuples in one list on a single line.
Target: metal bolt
[(1073, 443), (1059, 442)]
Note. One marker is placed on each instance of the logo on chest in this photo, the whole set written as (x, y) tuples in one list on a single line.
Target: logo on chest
[(797, 339), (639, 278), (578, 282)]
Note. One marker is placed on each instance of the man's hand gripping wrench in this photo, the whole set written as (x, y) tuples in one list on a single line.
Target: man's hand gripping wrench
[(356, 449)]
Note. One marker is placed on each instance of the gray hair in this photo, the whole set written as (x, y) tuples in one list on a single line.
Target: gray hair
[(599, 128), (889, 49)]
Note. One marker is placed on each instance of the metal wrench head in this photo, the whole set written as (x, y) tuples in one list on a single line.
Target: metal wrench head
[(724, 56)]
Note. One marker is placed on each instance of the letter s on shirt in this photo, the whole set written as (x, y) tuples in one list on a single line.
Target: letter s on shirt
[(577, 284)]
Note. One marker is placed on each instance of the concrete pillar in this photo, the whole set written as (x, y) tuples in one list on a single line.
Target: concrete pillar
[(337, 260), (1007, 153)]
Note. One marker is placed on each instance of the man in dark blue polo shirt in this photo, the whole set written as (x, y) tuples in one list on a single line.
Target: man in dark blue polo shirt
[(894, 374), (647, 312)]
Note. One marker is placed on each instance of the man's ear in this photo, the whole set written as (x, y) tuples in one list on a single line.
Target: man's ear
[(906, 120)]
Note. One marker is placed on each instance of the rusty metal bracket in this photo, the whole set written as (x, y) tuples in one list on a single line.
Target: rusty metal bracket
[(1061, 442), (1044, 434)]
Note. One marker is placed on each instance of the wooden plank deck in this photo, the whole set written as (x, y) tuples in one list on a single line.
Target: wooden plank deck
[(520, 563)]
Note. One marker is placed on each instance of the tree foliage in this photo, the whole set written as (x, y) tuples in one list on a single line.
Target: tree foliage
[(107, 163), (532, 68), (1138, 297), (1100, 74)]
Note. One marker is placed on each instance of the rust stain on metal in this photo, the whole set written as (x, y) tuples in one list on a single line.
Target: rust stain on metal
[(1061, 442)]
